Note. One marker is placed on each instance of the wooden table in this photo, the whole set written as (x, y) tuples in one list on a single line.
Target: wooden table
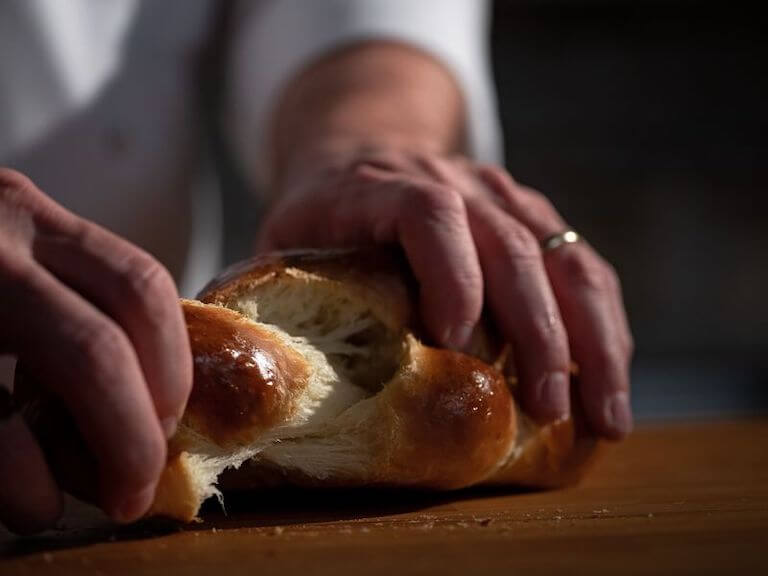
[(683, 498)]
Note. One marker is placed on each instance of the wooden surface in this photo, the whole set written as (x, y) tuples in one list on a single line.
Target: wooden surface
[(682, 498)]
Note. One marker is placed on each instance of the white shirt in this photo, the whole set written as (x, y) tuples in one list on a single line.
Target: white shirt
[(98, 100)]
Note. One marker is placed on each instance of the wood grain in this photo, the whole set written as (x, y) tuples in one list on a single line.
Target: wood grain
[(688, 498)]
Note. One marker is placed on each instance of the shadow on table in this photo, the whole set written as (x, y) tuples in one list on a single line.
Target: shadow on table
[(85, 526)]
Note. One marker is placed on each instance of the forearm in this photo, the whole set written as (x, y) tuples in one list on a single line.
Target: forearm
[(367, 96)]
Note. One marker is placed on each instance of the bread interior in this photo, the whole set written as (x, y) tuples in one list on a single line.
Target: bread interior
[(351, 352), (317, 312)]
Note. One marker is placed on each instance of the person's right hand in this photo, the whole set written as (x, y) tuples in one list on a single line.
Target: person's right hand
[(96, 321), (472, 237)]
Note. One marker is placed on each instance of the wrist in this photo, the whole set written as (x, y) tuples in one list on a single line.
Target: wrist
[(370, 96)]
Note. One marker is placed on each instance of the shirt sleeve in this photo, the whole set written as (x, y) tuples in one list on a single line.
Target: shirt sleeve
[(274, 39)]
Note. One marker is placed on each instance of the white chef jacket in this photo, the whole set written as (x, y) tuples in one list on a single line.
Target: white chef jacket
[(98, 100)]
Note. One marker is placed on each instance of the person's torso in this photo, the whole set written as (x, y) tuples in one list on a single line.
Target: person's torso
[(98, 105)]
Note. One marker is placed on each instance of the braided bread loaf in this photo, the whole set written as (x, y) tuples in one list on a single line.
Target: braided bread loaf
[(310, 369)]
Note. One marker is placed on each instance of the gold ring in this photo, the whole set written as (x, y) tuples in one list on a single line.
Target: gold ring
[(557, 240)]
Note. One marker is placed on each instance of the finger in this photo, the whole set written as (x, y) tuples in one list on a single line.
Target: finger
[(428, 220), (615, 300), (392, 161), (519, 293), (30, 501), (133, 289), (590, 300), (453, 173), (525, 309), (74, 469), (529, 206), (620, 312), (586, 294), (433, 228), (87, 360)]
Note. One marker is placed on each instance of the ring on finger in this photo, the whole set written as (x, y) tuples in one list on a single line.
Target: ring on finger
[(555, 241)]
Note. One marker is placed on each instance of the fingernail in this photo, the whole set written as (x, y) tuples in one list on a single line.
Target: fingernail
[(458, 337), (134, 506), (552, 395), (169, 426), (618, 414)]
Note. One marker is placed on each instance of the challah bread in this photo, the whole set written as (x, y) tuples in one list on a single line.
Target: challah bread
[(310, 369)]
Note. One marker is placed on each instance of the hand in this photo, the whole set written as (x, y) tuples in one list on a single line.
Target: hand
[(471, 232), (96, 321)]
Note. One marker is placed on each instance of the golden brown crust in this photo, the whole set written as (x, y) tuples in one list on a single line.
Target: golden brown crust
[(177, 495), (246, 379), (451, 420), (554, 455), (377, 276)]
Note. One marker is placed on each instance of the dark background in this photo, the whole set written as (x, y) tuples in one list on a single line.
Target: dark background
[(645, 122)]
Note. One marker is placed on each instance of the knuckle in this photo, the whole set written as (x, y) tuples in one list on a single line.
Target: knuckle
[(53, 217), (363, 170), (503, 180), (437, 201), (422, 158), (519, 244), (608, 359), (585, 271), (15, 191), (548, 333), (363, 179), (496, 172), (18, 190), (102, 343), (524, 243), (83, 232), (364, 173), (152, 291), (13, 180), (148, 278), (472, 283), (385, 160)]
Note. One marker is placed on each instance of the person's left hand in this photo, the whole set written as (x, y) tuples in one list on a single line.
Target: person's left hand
[(472, 236)]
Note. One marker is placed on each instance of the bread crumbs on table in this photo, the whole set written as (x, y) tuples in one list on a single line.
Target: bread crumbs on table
[(484, 521)]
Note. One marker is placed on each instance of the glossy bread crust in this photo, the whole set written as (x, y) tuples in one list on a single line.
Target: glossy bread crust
[(450, 419), (377, 276), (247, 380)]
